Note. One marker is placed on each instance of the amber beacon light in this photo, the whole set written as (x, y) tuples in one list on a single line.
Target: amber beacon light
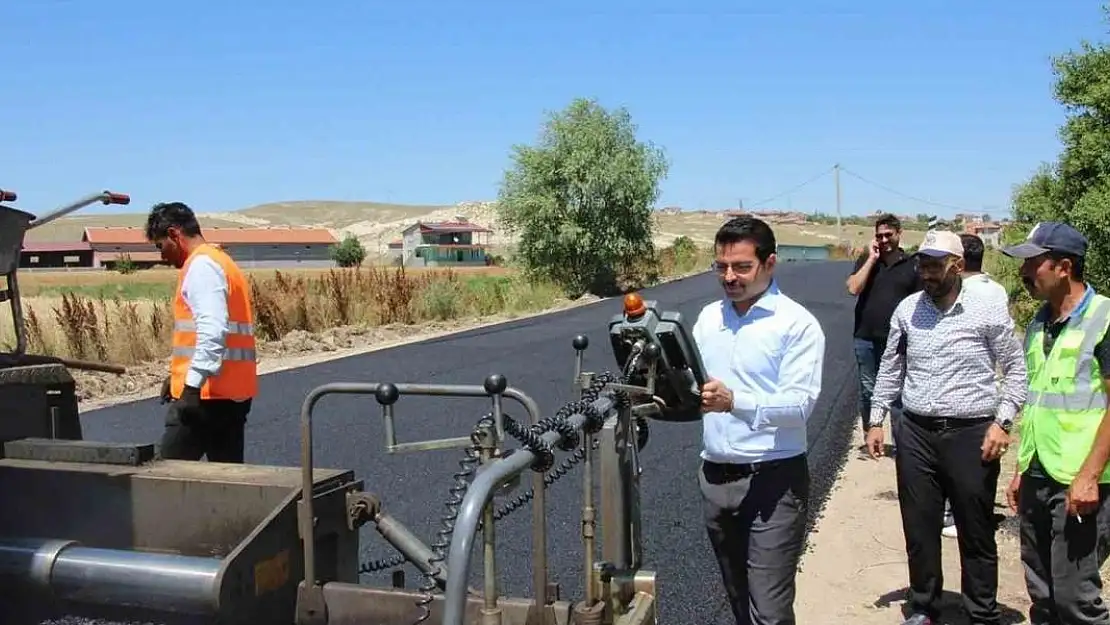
[(634, 306)]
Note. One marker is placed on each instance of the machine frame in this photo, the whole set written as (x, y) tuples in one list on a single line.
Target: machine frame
[(153, 539)]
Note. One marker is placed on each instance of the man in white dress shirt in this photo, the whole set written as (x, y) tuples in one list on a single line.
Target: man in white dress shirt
[(763, 353)]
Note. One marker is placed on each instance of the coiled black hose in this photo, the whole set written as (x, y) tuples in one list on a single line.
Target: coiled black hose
[(531, 439)]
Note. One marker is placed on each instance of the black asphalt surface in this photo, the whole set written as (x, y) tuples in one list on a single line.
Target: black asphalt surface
[(537, 357)]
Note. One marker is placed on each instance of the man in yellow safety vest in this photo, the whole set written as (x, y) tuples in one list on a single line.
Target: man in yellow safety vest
[(1061, 486), (213, 373)]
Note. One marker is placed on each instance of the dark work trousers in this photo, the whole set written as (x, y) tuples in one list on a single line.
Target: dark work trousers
[(939, 458), (756, 519), (1062, 556), (218, 432)]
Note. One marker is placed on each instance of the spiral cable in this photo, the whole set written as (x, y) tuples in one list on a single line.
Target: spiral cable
[(531, 439), (457, 493)]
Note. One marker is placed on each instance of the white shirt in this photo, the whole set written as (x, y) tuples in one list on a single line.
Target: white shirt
[(992, 289), (771, 359), (204, 288)]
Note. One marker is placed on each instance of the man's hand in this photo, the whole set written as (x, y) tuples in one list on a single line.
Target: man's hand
[(166, 395), (874, 441), (1083, 495), (873, 251), (715, 397), (995, 443), (188, 407), (1012, 491)]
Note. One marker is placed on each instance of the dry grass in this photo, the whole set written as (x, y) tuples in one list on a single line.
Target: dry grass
[(116, 328), (701, 227)]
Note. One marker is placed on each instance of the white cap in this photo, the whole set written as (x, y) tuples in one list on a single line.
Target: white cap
[(939, 243)]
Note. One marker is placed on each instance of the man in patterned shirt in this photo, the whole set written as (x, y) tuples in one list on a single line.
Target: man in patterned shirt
[(945, 345)]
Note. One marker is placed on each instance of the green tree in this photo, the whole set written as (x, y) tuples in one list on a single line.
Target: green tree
[(349, 253), (581, 200), (1076, 188)]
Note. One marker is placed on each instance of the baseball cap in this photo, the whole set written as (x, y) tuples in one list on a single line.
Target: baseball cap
[(939, 243), (1049, 236)]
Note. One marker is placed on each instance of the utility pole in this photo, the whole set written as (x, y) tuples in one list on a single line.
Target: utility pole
[(839, 227)]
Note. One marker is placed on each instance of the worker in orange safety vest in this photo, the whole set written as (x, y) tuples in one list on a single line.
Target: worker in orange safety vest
[(213, 369)]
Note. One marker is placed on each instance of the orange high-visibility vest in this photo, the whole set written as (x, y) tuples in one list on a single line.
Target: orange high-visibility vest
[(238, 376)]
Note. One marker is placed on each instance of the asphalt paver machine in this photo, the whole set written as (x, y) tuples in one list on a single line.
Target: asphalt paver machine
[(94, 530), (37, 393)]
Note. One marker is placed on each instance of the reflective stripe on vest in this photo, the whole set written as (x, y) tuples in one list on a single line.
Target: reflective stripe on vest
[(1066, 400), (237, 378)]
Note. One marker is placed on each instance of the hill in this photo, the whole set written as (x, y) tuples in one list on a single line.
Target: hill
[(376, 224)]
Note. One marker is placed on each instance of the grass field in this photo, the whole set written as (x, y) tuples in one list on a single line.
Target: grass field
[(160, 282), (127, 318)]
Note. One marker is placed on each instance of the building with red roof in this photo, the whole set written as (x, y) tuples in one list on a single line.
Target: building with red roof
[(457, 243), (250, 247)]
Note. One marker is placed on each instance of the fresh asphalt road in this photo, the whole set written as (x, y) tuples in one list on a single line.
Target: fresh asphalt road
[(536, 356)]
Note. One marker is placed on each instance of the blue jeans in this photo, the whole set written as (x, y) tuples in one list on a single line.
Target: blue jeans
[(868, 354)]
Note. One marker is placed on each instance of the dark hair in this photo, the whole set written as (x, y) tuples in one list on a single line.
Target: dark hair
[(747, 228), (1076, 263), (168, 215), (973, 252), (888, 219)]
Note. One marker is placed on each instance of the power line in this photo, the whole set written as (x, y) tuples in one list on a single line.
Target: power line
[(794, 188), (905, 195)]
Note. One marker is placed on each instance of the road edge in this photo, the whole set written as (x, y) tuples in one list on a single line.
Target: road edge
[(316, 358)]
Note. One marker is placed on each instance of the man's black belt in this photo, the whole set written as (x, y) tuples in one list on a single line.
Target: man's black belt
[(944, 423), (729, 470)]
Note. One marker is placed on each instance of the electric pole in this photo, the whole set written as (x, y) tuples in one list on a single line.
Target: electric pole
[(839, 228)]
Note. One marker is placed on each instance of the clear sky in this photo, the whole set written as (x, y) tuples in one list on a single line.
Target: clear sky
[(225, 105)]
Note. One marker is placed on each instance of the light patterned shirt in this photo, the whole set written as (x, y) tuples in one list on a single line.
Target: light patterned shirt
[(944, 363)]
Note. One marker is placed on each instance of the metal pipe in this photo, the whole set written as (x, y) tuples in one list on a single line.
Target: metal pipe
[(589, 516), (104, 197), (417, 552), (113, 577), (489, 544), (305, 516), (539, 509), (477, 498), (17, 312)]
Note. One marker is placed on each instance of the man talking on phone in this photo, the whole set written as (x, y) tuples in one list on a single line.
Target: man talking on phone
[(882, 277)]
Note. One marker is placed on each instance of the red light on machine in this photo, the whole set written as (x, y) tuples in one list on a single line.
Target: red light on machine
[(634, 305)]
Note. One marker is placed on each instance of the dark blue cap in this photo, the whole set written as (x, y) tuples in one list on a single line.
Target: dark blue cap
[(1049, 236)]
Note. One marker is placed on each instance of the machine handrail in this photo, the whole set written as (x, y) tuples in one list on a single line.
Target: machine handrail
[(305, 515), (104, 197), (478, 496)]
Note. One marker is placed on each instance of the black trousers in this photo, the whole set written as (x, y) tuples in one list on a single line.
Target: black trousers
[(939, 459), (756, 518), (218, 433), (1062, 556)]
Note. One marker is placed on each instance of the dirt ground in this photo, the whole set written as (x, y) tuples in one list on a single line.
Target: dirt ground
[(855, 570)]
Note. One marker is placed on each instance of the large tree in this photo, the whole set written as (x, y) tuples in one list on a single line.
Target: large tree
[(1076, 188), (581, 200)]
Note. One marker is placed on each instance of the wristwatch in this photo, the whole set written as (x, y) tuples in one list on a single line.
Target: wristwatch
[(1005, 424)]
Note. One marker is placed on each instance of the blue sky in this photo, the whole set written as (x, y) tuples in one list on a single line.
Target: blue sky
[(226, 105)]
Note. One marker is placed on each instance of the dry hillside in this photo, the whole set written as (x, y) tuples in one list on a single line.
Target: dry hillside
[(376, 224)]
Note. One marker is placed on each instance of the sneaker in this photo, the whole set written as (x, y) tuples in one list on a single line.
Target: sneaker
[(949, 531)]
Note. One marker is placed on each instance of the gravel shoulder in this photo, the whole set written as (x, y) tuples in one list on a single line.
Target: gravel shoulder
[(855, 569)]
